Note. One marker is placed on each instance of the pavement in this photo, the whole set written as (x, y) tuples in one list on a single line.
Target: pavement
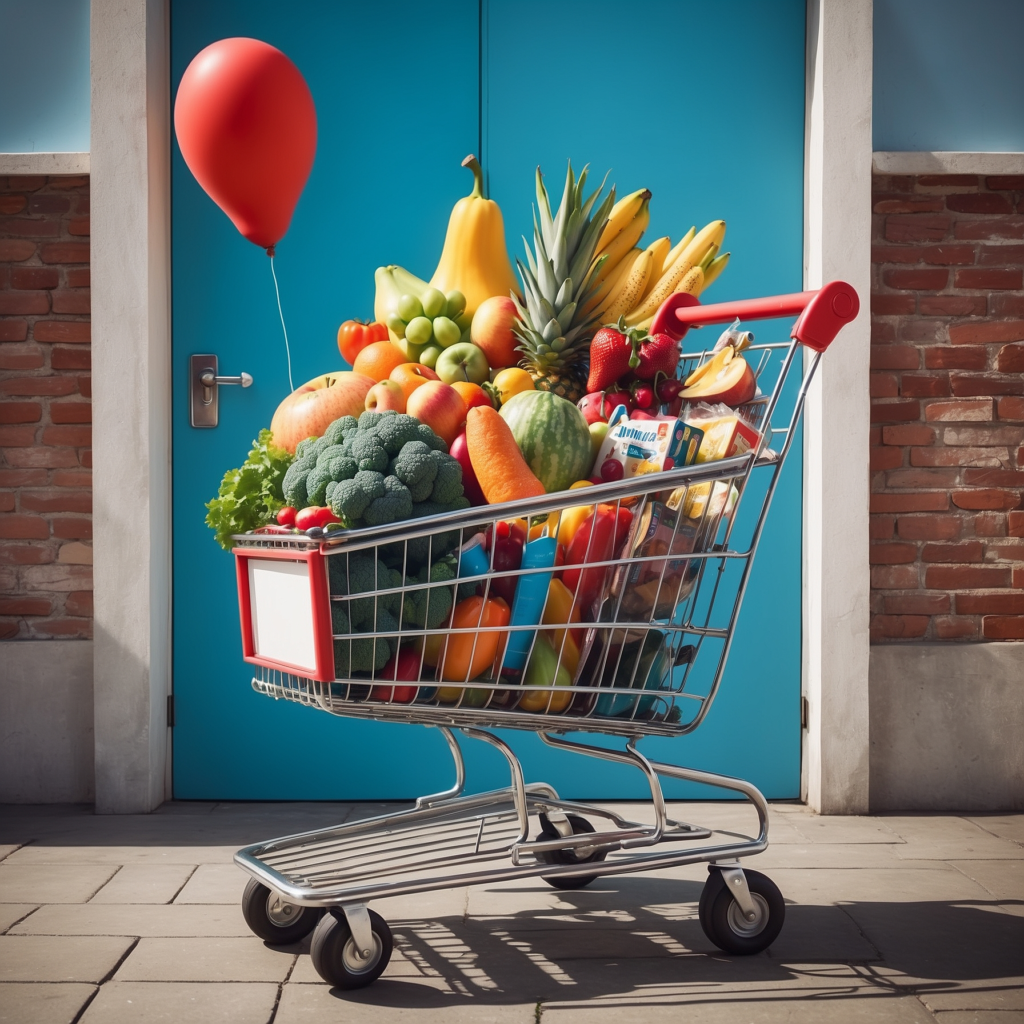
[(110, 920)]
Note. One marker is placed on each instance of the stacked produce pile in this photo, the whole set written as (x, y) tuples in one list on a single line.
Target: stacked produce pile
[(475, 389)]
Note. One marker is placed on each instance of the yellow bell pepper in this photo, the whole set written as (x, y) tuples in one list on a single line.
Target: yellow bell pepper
[(561, 610), (564, 524)]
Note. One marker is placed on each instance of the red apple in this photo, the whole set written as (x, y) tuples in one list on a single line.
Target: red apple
[(310, 409), (470, 486), (491, 331), (733, 383), (439, 406), (387, 394)]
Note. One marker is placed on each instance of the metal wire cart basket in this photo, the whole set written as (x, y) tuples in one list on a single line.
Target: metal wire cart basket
[(628, 640)]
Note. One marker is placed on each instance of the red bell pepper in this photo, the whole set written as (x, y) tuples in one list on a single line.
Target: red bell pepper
[(405, 666), (599, 539)]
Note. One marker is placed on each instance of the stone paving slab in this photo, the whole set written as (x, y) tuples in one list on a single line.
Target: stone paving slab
[(1004, 879), (37, 883), (979, 1017), (125, 1002), (60, 958), (1006, 826), (41, 856), (151, 921), (6, 851), (205, 959), (932, 837), (926, 881), (214, 883), (11, 913), (145, 883), (42, 1003), (395, 1003)]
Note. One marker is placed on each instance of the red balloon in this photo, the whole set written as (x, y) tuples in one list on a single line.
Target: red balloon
[(246, 125)]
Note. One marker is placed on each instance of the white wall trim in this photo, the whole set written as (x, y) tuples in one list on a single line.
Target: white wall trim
[(44, 163), (948, 163), (131, 283), (837, 427)]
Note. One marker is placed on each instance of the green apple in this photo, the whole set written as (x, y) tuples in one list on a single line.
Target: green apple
[(463, 361), (598, 432)]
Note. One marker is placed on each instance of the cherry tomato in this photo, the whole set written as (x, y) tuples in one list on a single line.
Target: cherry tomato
[(354, 336), (612, 469), (286, 516)]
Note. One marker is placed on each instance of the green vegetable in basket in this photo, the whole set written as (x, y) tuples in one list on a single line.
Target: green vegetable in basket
[(250, 495)]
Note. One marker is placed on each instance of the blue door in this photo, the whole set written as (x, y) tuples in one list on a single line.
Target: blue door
[(702, 106)]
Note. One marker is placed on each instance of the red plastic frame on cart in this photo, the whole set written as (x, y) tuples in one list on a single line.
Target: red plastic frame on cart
[(323, 641)]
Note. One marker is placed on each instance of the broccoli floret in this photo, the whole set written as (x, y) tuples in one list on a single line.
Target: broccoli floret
[(350, 498), (428, 607), (326, 454), (430, 439), (435, 508), (416, 469), (363, 573), (363, 654), (448, 482), (371, 420), (294, 483), (331, 466), (338, 430), (303, 448), (367, 450), (329, 490), (396, 431), (394, 505)]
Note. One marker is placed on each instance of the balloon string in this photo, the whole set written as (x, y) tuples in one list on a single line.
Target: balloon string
[(280, 313)]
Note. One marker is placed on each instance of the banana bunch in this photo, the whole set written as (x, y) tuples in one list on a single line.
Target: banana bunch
[(690, 266), (633, 282)]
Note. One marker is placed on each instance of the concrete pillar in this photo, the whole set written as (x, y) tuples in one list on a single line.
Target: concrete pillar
[(130, 164), (836, 573)]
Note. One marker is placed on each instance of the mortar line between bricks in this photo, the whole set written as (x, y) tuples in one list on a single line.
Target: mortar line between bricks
[(182, 886)]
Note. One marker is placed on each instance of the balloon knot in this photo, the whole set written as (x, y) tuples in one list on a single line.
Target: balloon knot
[(270, 251)]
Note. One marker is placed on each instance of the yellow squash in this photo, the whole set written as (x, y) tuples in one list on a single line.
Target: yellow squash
[(474, 259)]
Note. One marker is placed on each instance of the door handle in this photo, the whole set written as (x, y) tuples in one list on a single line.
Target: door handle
[(204, 389)]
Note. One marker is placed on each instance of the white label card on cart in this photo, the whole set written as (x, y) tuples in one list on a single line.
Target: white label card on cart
[(282, 612)]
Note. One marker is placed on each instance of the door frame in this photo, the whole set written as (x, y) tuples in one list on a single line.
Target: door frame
[(131, 273)]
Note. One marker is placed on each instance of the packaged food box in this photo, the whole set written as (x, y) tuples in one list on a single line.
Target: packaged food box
[(652, 589), (648, 445), (725, 436)]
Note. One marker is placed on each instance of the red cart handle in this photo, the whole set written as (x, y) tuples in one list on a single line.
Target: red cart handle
[(822, 313)]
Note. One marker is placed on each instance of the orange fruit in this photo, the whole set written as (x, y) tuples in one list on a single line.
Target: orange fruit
[(472, 394), (378, 359), (512, 381), (409, 376)]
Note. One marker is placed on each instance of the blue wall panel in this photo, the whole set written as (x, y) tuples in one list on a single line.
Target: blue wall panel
[(949, 75), (44, 76)]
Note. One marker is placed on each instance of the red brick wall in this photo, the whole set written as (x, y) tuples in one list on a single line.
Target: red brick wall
[(947, 386), (45, 410)]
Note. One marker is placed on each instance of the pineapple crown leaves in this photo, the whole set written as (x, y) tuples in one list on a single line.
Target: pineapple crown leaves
[(557, 275)]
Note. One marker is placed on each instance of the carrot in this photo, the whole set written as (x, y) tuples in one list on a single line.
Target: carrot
[(498, 463)]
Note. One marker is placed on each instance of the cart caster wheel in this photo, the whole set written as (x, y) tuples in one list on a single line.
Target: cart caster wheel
[(724, 923), (579, 827), (336, 958), (273, 920)]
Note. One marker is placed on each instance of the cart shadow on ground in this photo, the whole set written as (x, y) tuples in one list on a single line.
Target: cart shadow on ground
[(635, 938)]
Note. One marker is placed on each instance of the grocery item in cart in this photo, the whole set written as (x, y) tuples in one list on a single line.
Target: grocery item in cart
[(652, 589), (726, 434), (648, 445), (624, 659)]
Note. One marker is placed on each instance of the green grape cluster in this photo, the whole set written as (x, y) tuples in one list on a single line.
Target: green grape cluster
[(428, 323)]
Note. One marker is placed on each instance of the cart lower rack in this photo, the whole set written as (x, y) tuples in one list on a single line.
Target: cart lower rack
[(631, 634)]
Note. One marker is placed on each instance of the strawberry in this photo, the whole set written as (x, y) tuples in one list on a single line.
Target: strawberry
[(610, 353), (658, 353)]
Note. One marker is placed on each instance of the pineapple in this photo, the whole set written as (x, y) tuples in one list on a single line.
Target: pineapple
[(556, 285)]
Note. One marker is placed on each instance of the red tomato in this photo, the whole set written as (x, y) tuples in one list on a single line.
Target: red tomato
[(354, 336), (314, 515), (286, 516), (406, 666)]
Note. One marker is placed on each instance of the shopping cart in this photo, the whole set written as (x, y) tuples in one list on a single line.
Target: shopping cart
[(642, 653)]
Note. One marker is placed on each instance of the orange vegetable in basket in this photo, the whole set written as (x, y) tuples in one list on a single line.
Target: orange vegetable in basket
[(560, 610), (499, 465), (467, 655)]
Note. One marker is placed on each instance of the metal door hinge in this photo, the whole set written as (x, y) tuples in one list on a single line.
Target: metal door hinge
[(803, 712), (170, 711)]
